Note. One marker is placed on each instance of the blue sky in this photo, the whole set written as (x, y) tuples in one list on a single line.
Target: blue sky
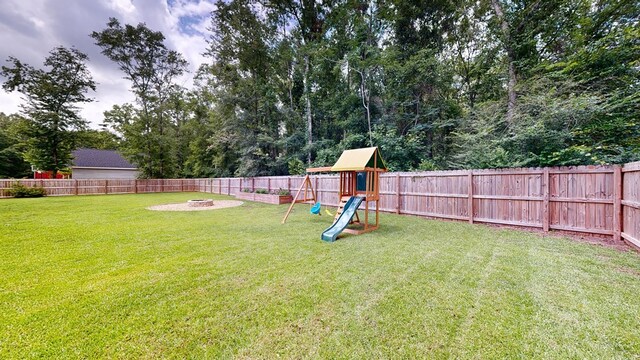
[(30, 29)]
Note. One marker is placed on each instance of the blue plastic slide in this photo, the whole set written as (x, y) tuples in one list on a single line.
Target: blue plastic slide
[(349, 210)]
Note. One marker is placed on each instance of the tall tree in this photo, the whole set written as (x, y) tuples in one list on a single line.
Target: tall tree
[(521, 27), (151, 67), (308, 17), (12, 146), (511, 58), (242, 78), (363, 59), (52, 96)]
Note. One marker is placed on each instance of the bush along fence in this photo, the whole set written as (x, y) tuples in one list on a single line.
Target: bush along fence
[(592, 200)]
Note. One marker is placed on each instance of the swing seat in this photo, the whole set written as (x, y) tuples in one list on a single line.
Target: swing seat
[(315, 210)]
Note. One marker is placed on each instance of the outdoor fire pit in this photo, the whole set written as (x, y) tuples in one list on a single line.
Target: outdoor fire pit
[(197, 205), (200, 202)]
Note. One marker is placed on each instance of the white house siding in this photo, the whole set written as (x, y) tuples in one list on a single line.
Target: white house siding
[(104, 173)]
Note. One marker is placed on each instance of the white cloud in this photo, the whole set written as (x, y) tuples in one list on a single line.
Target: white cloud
[(30, 29), (123, 7)]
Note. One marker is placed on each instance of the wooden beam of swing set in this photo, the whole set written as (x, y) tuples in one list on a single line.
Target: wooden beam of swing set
[(319, 169), (308, 189)]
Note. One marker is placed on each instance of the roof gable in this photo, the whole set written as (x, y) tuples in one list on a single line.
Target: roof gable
[(100, 159), (359, 159)]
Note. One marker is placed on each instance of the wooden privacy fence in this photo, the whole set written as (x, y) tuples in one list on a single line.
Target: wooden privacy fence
[(106, 186), (630, 203), (595, 200)]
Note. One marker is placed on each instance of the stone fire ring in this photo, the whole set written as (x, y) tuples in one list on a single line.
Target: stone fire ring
[(200, 202), (187, 206)]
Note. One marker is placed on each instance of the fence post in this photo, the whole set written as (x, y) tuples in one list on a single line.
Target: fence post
[(546, 178), (289, 183), (398, 193), (269, 184), (135, 186), (106, 187), (470, 198), (75, 187), (617, 203)]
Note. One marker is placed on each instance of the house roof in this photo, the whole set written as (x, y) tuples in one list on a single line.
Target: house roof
[(94, 158), (359, 159)]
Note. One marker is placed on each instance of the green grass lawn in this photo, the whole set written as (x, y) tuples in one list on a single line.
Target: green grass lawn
[(100, 276)]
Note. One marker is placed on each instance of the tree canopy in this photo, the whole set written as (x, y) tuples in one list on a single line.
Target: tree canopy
[(147, 130), (51, 103), (435, 84)]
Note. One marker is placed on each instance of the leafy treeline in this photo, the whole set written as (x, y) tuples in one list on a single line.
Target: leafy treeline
[(435, 84), (17, 142)]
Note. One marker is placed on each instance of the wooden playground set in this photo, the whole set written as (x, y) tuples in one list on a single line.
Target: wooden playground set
[(359, 171)]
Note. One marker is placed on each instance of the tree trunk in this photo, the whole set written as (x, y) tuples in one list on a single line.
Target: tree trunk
[(511, 90), (307, 99), (369, 120), (511, 84), (147, 140), (366, 102), (290, 81), (161, 131), (56, 163)]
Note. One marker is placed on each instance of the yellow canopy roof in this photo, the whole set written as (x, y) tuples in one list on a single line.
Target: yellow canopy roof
[(359, 159)]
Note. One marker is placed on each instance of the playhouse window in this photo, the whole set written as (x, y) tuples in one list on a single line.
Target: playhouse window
[(361, 182)]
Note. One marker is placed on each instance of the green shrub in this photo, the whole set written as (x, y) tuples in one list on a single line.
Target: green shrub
[(262, 191), (20, 191), (283, 192), (296, 167)]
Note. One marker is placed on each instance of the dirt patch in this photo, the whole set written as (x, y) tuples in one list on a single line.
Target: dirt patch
[(594, 239), (629, 271), (589, 239), (217, 204)]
